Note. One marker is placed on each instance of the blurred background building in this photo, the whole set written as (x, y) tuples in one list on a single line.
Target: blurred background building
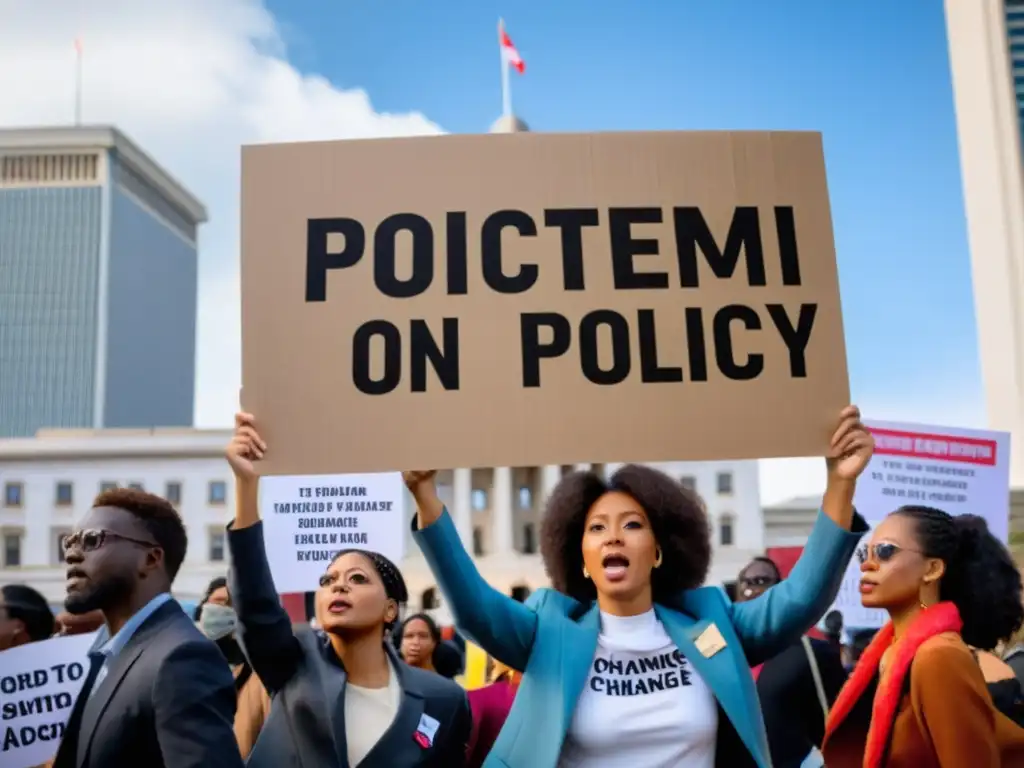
[(986, 52), (98, 284)]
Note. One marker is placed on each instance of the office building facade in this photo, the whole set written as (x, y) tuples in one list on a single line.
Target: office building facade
[(98, 284), (986, 52)]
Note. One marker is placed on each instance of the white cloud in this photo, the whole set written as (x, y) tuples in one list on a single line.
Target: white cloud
[(190, 81)]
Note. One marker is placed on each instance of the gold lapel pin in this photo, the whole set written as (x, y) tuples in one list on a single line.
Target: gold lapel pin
[(710, 641)]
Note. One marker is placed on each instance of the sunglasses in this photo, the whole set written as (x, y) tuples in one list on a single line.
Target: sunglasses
[(92, 539), (882, 552), (759, 581)]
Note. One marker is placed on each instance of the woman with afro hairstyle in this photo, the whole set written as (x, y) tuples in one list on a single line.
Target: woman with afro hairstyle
[(917, 697), (627, 661)]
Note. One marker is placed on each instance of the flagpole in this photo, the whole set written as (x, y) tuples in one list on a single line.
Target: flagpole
[(506, 94), (78, 81)]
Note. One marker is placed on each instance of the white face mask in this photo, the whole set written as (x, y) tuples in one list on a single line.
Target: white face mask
[(217, 621)]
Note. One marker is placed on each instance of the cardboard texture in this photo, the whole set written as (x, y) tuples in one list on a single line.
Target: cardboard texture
[(635, 255)]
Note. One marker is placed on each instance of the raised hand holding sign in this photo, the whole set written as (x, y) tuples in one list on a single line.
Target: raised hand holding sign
[(246, 446), (851, 446)]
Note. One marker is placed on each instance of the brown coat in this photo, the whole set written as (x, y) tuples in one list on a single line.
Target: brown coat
[(941, 716)]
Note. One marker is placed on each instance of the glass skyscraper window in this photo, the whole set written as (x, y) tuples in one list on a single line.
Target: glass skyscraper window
[(98, 259), (986, 60), (1015, 36)]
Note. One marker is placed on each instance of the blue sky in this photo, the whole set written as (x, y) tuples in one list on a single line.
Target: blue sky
[(873, 76)]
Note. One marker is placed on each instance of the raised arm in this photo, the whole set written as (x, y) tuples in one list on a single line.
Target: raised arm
[(502, 626), (265, 628), (775, 620)]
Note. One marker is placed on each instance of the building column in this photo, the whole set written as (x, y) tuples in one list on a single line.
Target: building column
[(551, 474), (462, 505), (988, 128), (502, 535)]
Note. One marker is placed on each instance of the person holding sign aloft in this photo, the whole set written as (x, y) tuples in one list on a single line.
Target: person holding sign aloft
[(917, 696), (628, 661), (341, 696)]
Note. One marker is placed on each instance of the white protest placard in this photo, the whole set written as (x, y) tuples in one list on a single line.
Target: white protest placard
[(960, 471), (307, 519), (39, 683)]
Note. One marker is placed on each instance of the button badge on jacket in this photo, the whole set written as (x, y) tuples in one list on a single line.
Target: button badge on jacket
[(426, 731), (710, 641)]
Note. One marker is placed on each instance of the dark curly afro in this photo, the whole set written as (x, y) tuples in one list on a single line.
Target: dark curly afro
[(676, 514), (981, 578)]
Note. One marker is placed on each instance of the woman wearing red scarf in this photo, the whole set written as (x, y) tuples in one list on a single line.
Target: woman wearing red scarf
[(917, 697)]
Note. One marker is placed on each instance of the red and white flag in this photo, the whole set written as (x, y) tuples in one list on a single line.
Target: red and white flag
[(508, 50)]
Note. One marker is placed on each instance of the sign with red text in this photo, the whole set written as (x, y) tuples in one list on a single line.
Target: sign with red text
[(960, 471)]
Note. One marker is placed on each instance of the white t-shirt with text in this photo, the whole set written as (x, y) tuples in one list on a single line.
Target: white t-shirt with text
[(643, 706)]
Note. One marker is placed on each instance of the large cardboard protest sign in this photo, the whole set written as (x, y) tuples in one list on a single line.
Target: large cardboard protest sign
[(39, 683), (960, 471), (526, 299)]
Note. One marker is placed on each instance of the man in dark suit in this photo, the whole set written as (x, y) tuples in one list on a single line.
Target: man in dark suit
[(798, 686), (791, 699), (157, 693)]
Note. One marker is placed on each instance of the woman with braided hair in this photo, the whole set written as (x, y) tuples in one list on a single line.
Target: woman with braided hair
[(341, 697), (917, 697)]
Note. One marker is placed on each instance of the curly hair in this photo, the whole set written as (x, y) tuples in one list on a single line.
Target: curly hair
[(981, 578), (676, 513), (158, 516)]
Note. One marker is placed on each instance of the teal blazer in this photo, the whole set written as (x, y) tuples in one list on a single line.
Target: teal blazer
[(552, 639)]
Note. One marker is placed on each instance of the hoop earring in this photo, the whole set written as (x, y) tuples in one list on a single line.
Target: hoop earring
[(586, 573), (657, 560), (920, 600)]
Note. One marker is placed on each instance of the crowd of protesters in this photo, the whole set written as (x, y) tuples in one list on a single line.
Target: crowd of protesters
[(628, 660)]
